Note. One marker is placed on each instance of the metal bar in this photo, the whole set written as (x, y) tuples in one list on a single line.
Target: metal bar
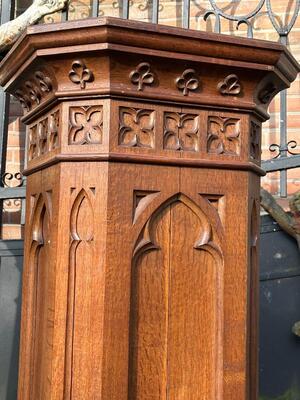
[(155, 6), (7, 10), (283, 131), (186, 14), (7, 13), (12, 193), (65, 13), (95, 7), (281, 163), (125, 9)]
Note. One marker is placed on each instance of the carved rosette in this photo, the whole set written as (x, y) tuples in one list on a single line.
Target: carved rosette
[(136, 127), (223, 135), (86, 125), (181, 131)]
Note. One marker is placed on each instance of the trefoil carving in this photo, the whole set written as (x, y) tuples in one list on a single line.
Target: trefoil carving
[(80, 74), (188, 81), (223, 135), (34, 90), (136, 127), (181, 131), (44, 82), (86, 125), (230, 85), (142, 75)]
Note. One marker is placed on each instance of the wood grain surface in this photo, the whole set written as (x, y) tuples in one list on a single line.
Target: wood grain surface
[(141, 273)]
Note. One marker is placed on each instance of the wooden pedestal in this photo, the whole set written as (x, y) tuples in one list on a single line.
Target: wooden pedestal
[(141, 277)]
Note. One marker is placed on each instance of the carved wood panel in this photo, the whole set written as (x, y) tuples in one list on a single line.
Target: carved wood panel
[(176, 307)]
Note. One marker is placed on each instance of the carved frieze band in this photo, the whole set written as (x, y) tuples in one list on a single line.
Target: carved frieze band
[(136, 127), (86, 125), (181, 131), (139, 128), (44, 135), (223, 136), (34, 90)]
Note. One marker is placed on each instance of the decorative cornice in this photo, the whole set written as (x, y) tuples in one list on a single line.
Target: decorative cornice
[(266, 55), (142, 159)]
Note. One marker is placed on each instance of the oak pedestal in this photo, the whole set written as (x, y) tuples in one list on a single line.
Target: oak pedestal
[(140, 278)]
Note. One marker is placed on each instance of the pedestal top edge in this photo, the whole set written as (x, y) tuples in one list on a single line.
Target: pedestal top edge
[(151, 36)]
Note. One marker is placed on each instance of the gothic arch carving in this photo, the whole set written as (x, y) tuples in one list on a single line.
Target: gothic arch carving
[(176, 286), (81, 250), (41, 302), (207, 239)]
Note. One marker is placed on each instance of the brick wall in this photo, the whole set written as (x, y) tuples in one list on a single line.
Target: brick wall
[(170, 13)]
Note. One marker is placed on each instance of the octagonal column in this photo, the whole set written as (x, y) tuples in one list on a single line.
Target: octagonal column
[(141, 276)]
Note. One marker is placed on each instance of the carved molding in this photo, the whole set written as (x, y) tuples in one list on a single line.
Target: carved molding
[(44, 136), (142, 75), (223, 135), (181, 131), (230, 85), (86, 125), (188, 81), (255, 141), (80, 74), (34, 90), (136, 127)]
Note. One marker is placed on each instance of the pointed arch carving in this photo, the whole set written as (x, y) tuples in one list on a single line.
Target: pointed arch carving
[(176, 316), (81, 254), (207, 239), (41, 301)]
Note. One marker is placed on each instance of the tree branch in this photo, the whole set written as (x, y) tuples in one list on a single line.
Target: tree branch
[(289, 223)]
